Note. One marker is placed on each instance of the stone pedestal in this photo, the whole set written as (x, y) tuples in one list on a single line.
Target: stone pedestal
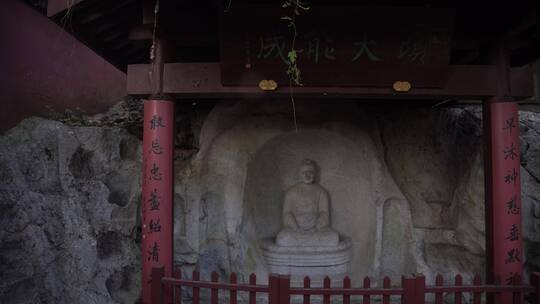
[(308, 260)]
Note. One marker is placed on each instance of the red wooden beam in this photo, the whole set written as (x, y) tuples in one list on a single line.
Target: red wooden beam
[(204, 80)]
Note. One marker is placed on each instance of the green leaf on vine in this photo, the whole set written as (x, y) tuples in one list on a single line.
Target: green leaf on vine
[(292, 56)]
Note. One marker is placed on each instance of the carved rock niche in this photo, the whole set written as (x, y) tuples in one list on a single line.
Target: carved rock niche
[(344, 171)]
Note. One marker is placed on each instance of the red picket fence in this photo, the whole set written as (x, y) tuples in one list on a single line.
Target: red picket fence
[(279, 290)]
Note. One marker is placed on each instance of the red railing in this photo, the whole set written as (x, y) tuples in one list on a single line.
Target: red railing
[(279, 290)]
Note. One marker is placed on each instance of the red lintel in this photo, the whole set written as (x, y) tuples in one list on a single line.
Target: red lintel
[(203, 80)]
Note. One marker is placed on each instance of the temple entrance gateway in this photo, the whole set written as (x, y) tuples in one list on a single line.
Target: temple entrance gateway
[(404, 51)]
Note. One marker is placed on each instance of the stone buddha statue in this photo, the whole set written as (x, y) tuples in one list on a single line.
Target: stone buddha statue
[(306, 212), (306, 244)]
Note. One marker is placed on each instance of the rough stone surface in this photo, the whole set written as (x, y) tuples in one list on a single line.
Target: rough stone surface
[(435, 156), (405, 185), (69, 200), (530, 187), (248, 159), (398, 257)]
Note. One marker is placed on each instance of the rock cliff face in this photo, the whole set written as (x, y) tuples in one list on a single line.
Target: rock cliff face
[(410, 181), (435, 157), (530, 187), (69, 200)]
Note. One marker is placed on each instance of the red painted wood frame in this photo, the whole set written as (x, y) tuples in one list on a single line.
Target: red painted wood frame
[(202, 79), (503, 193), (157, 192)]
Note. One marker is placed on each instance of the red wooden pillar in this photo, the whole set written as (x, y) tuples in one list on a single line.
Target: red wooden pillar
[(503, 194), (504, 250), (157, 192)]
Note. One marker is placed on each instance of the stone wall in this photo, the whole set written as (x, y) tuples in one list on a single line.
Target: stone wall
[(69, 199), (405, 183)]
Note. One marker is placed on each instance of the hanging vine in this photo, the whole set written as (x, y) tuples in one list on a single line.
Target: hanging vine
[(295, 7)]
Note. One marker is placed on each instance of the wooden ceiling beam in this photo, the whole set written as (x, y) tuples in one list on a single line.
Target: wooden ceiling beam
[(204, 80)]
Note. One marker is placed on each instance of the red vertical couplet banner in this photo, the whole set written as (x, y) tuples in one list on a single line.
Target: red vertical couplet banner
[(157, 192), (503, 195)]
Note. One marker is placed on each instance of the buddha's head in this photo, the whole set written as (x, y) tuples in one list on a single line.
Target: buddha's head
[(308, 171)]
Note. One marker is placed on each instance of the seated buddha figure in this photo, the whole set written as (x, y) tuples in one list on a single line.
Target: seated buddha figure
[(306, 213)]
